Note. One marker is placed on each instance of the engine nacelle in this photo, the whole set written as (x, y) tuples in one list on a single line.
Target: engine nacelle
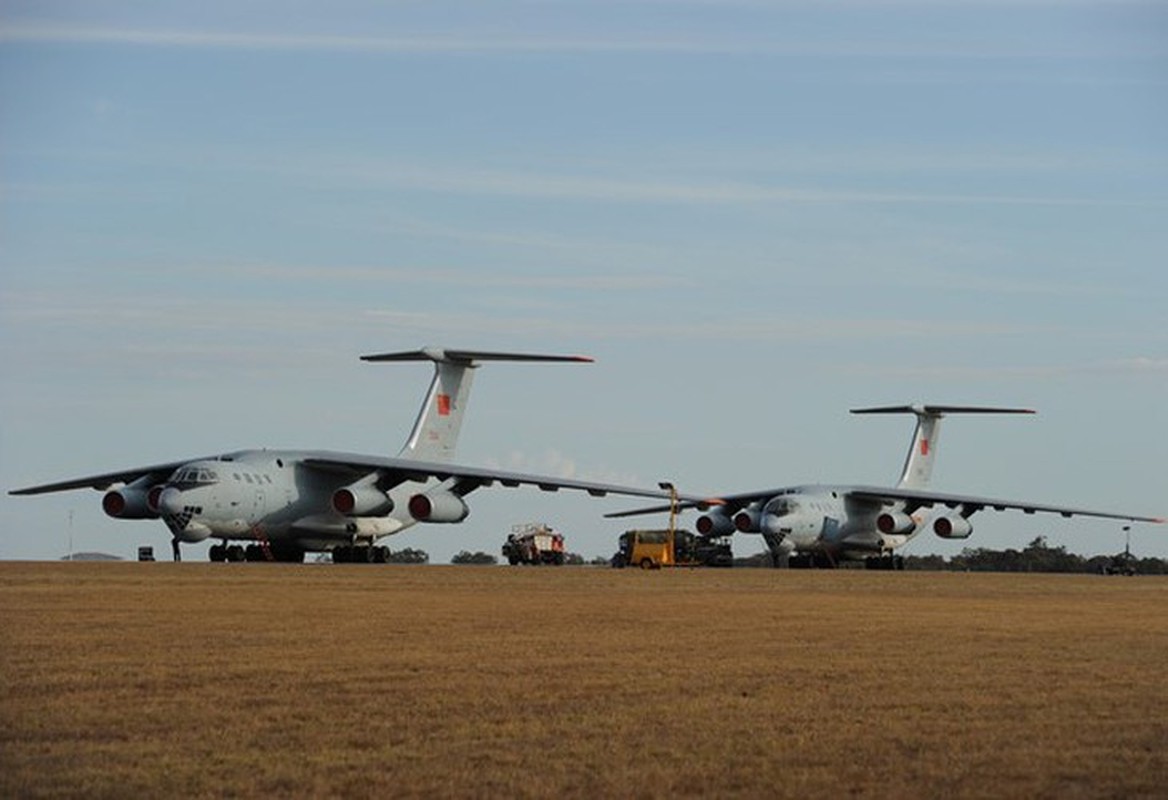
[(362, 501), (715, 523), (951, 527), (132, 502), (747, 520), (438, 507), (892, 522)]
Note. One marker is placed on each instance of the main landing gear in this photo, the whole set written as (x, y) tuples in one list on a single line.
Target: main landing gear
[(811, 561), (255, 552), (360, 554), (888, 561)]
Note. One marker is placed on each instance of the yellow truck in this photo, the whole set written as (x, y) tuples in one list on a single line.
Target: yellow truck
[(653, 549)]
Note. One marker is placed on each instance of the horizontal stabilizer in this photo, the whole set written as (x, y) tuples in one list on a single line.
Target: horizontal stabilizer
[(442, 355), (941, 410)]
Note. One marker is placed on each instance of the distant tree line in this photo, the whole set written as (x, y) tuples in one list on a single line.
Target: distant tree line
[(477, 557), (408, 555), (1038, 556)]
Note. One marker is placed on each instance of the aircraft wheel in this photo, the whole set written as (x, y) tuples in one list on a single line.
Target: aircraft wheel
[(217, 553), (234, 553), (288, 554), (380, 554)]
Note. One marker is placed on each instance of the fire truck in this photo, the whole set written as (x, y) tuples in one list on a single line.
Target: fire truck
[(534, 543)]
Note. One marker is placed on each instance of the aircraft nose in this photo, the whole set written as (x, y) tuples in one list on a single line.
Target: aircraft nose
[(170, 501)]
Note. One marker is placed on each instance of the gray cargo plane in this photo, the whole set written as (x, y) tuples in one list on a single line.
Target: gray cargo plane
[(806, 526), (285, 503)]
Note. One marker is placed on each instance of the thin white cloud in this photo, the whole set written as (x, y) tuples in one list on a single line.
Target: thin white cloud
[(616, 183), (121, 322), (540, 42), (788, 329), (557, 464), (552, 186), (1135, 366), (465, 278), (419, 44)]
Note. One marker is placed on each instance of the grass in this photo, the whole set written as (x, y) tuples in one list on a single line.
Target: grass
[(294, 680)]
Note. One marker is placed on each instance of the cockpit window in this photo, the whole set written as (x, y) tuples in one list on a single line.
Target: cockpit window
[(193, 476), (781, 507)]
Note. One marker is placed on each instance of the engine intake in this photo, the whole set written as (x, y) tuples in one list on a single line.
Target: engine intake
[(951, 527), (362, 501), (438, 507), (715, 523), (891, 522), (132, 502), (747, 520)]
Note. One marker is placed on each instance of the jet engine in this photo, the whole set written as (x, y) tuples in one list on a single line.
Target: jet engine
[(951, 527), (890, 522), (747, 519), (715, 523), (438, 507), (132, 502), (359, 500)]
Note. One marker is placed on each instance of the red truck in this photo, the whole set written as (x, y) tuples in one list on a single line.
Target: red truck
[(534, 543)]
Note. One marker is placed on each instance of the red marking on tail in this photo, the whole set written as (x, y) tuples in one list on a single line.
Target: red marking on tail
[(444, 405), (924, 447)]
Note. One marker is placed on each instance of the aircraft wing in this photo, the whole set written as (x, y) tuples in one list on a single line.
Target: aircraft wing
[(159, 472), (918, 498), (730, 503), (914, 499), (468, 478)]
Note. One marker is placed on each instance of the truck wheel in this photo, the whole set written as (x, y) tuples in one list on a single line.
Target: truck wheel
[(646, 563)]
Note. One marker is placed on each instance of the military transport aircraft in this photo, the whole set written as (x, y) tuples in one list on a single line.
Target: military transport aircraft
[(807, 526), (286, 503)]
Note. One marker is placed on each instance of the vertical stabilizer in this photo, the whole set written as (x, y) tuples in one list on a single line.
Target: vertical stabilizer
[(435, 432), (918, 465)]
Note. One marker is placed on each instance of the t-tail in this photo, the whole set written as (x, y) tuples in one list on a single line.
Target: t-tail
[(918, 465), (435, 433)]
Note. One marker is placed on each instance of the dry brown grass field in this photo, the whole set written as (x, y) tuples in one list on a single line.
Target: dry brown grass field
[(318, 680)]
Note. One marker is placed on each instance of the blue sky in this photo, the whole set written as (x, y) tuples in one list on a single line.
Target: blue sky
[(755, 215)]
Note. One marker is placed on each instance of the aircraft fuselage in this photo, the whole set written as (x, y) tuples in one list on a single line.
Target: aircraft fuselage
[(261, 495), (817, 519)]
